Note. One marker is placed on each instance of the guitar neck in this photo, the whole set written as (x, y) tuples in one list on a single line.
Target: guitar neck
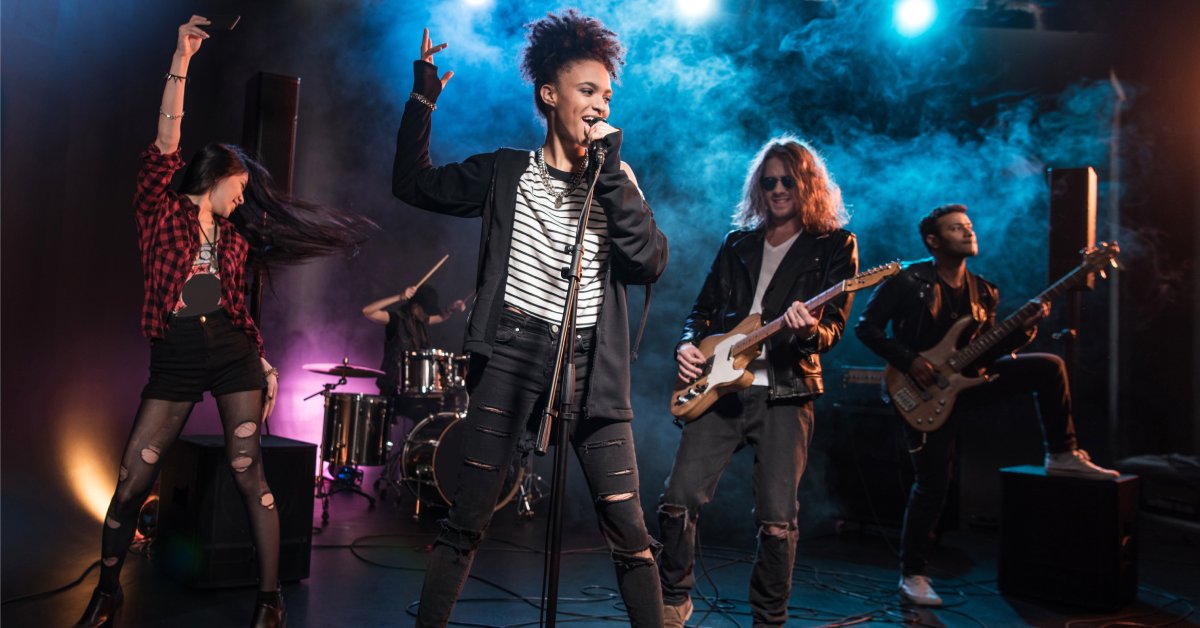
[(761, 334), (986, 341)]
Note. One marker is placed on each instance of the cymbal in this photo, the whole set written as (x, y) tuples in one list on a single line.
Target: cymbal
[(342, 369)]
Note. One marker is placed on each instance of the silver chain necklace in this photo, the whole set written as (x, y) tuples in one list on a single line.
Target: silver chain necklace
[(576, 178)]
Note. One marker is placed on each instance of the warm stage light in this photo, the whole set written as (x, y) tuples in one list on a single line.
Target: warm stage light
[(913, 17), (91, 474), (695, 9)]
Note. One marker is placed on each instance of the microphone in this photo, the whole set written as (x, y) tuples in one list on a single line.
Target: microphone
[(597, 151)]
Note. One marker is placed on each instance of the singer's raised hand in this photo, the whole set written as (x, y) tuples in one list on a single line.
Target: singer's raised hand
[(427, 52)]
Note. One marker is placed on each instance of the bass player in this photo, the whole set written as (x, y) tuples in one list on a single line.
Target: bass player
[(922, 303)]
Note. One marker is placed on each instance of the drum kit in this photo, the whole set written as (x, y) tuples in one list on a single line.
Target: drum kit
[(357, 432)]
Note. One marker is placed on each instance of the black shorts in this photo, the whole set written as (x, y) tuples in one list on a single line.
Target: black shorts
[(203, 353)]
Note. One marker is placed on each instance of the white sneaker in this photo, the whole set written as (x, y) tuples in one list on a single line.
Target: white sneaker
[(919, 591), (1076, 463), (674, 616)]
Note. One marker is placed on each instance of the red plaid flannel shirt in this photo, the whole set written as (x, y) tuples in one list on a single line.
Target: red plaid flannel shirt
[(169, 239)]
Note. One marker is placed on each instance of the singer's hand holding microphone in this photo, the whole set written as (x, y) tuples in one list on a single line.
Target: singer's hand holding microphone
[(601, 138)]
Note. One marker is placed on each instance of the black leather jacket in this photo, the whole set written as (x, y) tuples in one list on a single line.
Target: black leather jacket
[(485, 186), (812, 264), (912, 301)]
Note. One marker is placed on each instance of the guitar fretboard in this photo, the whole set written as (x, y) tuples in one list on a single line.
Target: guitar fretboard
[(987, 340), (770, 329)]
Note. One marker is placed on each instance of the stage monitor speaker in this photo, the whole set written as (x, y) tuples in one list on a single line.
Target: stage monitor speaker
[(1068, 540), (269, 128), (1072, 218), (204, 538)]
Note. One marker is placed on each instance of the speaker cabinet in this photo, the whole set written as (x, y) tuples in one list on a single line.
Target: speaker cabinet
[(1069, 540), (204, 537), (269, 128), (1072, 218)]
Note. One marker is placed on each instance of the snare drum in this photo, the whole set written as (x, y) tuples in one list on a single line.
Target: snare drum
[(432, 456), (356, 430), (427, 373)]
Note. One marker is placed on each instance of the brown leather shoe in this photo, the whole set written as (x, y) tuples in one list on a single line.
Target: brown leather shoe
[(675, 616), (270, 612), (102, 609)]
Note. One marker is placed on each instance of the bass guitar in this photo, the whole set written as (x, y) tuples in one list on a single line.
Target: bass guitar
[(728, 354), (926, 409)]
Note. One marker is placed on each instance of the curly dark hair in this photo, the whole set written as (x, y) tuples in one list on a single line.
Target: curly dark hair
[(557, 41)]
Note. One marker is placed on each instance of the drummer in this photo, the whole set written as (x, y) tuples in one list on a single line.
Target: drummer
[(407, 317)]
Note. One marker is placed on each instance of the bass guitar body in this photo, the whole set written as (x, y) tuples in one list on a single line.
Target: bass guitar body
[(926, 409)]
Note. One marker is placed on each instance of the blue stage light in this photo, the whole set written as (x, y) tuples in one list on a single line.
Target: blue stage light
[(694, 10), (913, 17), (478, 4)]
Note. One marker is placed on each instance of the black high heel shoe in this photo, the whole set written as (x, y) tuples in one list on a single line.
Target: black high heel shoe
[(270, 611), (102, 609)]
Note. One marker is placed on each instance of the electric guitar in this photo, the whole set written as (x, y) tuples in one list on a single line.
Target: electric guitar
[(728, 354), (926, 409)]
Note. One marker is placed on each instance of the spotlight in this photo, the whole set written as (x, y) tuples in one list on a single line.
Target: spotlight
[(692, 10), (913, 17), (478, 4)]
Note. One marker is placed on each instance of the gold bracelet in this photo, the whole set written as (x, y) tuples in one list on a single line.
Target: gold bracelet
[(169, 116), (271, 371), (423, 100)]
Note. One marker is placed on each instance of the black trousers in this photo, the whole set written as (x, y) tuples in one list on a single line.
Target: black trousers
[(779, 434), (1042, 374), (506, 392)]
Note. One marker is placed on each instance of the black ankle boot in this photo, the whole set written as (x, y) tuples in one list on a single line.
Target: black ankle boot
[(101, 609), (270, 611)]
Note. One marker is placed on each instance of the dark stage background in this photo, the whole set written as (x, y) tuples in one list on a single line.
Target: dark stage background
[(971, 115)]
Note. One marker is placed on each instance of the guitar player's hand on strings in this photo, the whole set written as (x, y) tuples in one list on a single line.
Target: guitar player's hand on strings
[(690, 361), (922, 372), (798, 319), (1040, 315)]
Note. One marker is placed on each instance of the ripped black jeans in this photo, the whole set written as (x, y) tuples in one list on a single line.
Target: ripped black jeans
[(780, 434), (507, 391)]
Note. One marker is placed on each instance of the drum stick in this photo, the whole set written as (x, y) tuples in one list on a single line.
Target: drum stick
[(433, 270)]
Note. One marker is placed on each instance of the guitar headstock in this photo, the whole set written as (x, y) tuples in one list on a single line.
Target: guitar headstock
[(1098, 257), (871, 277)]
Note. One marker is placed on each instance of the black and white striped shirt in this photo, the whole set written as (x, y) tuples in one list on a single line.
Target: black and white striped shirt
[(541, 235)]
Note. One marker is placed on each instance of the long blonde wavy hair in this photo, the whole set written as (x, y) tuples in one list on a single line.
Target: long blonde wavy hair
[(817, 194)]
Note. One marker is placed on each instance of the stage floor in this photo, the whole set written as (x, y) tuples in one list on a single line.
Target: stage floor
[(367, 567)]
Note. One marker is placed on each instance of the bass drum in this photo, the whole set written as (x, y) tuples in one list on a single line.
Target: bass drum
[(432, 456)]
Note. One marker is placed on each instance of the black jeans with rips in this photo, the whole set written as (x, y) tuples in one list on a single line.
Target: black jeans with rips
[(1043, 374), (507, 392), (779, 433)]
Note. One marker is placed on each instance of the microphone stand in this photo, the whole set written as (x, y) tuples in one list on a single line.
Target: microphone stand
[(559, 397)]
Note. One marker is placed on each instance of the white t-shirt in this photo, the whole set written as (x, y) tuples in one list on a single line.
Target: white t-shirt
[(771, 258)]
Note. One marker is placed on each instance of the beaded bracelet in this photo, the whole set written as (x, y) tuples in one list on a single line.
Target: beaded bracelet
[(423, 100), (169, 116), (271, 371)]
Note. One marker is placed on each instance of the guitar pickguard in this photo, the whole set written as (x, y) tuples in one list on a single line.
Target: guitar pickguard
[(723, 368)]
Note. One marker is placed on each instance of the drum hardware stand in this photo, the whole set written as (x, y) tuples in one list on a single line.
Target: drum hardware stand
[(326, 389), (347, 479), (558, 415), (530, 493)]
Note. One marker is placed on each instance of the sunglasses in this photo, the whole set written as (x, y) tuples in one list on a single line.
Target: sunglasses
[(768, 183)]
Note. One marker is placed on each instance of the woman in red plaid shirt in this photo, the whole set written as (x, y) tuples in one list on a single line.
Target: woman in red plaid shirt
[(194, 251)]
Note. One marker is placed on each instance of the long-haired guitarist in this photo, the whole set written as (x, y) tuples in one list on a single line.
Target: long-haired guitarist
[(922, 303), (789, 246)]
